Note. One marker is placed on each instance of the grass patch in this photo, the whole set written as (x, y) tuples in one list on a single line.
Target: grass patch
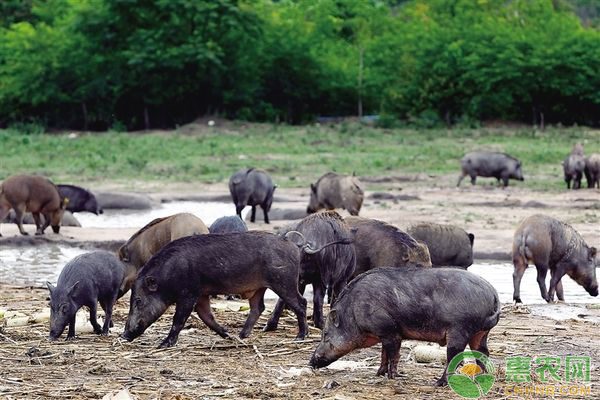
[(293, 155)]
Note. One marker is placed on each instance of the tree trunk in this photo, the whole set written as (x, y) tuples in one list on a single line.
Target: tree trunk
[(146, 118), (360, 81), (85, 116)]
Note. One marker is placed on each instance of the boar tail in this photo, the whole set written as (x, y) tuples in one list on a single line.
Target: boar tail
[(493, 318), (307, 247)]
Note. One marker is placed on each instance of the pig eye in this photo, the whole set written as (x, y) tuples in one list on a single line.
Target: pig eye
[(63, 309), (138, 302)]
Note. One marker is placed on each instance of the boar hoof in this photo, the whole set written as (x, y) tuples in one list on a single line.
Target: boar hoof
[(381, 371), (270, 327), (441, 382), (518, 300), (166, 343), (299, 338), (69, 338), (25, 233)]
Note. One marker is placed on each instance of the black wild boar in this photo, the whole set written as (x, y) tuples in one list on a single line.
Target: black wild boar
[(448, 245), (187, 271), (448, 306), (146, 242), (552, 245), (231, 224), (252, 187), (379, 244), (35, 194), (592, 170), (85, 280), (336, 191), (573, 168), (328, 269), (79, 199), (490, 164)]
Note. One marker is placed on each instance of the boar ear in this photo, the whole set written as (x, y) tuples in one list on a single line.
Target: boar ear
[(151, 283), (334, 318), (593, 253), (72, 289), (313, 188), (50, 287), (471, 238), (124, 254), (64, 203)]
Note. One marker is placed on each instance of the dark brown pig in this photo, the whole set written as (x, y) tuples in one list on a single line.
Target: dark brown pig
[(252, 187), (146, 242), (552, 245), (330, 268), (336, 191), (35, 194), (592, 171), (187, 271), (448, 306), (448, 245), (379, 244), (490, 164)]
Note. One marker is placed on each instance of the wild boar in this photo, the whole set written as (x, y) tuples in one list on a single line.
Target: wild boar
[(573, 167), (79, 199), (146, 242), (187, 271), (448, 245), (35, 194), (379, 244), (85, 280), (336, 191), (327, 269), (552, 245), (252, 187), (449, 306), (231, 224), (490, 164), (592, 170)]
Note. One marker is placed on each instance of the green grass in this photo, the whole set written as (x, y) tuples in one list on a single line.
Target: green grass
[(293, 155)]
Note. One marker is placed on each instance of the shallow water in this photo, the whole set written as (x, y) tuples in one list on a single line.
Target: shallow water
[(208, 212)]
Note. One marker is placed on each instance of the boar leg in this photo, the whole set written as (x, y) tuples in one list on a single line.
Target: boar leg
[(479, 343), (297, 303), (559, 291), (183, 309), (542, 270), (266, 213), (278, 310), (238, 210), (555, 280), (203, 310), (457, 341), (38, 222), (520, 267), (390, 354), (568, 180), (460, 178), (3, 213), (473, 179), (107, 306), (257, 306), (47, 219), (71, 333), (93, 321), (19, 213), (253, 215), (318, 298)]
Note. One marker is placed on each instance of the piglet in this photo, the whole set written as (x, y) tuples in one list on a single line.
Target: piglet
[(85, 280)]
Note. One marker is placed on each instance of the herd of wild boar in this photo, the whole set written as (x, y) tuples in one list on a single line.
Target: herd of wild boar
[(383, 283)]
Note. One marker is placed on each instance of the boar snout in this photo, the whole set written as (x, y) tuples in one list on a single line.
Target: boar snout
[(318, 362)]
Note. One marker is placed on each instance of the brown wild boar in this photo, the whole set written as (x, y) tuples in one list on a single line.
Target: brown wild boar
[(336, 191), (35, 194), (552, 245), (448, 245), (146, 242), (379, 244), (592, 170)]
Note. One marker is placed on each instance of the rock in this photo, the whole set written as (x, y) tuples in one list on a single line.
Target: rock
[(121, 395), (429, 354), (131, 201), (42, 316), (331, 385)]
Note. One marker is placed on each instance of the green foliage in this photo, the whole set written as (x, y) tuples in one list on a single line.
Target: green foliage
[(133, 64)]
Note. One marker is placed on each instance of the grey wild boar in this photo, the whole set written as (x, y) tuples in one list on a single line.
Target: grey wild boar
[(230, 224), (552, 245), (146, 242), (252, 187), (573, 168), (187, 271), (448, 306), (448, 245), (490, 164), (85, 280), (79, 199), (35, 194), (329, 269), (336, 191), (379, 244), (592, 171)]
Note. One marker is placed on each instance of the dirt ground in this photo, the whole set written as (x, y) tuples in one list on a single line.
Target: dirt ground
[(272, 365)]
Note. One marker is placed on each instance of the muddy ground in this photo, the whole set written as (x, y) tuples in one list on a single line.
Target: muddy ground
[(272, 365)]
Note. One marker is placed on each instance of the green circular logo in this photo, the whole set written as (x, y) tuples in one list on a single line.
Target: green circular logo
[(466, 377)]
